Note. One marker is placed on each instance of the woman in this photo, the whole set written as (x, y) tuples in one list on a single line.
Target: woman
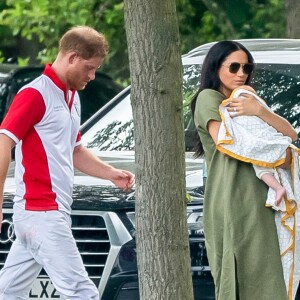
[(241, 237)]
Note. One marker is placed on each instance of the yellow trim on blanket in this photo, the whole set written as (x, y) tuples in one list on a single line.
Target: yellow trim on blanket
[(249, 160), (291, 207), (227, 142), (291, 248), (227, 133), (291, 279)]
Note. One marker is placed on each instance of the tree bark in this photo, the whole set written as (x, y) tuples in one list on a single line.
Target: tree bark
[(156, 97), (293, 18)]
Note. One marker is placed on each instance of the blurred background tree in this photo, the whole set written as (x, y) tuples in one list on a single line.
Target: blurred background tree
[(31, 29)]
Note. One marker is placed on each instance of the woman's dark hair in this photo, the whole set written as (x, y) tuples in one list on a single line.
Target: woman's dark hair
[(210, 77)]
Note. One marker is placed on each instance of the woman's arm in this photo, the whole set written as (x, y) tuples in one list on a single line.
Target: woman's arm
[(213, 129), (279, 123), (248, 106)]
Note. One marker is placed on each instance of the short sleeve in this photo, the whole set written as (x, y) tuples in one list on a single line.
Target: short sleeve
[(26, 110), (207, 108), (78, 139)]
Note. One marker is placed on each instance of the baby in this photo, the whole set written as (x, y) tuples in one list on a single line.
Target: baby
[(250, 139)]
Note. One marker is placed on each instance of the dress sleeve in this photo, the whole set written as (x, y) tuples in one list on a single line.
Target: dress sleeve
[(207, 108), (26, 110)]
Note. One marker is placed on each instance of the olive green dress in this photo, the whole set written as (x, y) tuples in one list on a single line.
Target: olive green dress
[(240, 232)]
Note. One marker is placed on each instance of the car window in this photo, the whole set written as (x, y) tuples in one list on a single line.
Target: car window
[(97, 93), (114, 131), (277, 84)]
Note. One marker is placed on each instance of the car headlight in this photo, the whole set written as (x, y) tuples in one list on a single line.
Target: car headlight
[(194, 219), (131, 217), (195, 222)]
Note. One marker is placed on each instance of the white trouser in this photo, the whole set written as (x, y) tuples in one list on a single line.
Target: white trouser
[(44, 239)]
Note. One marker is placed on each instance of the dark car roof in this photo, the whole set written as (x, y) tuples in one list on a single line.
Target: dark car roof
[(9, 70), (95, 95)]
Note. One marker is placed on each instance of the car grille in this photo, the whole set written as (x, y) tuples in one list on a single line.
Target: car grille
[(198, 255), (91, 237), (92, 240)]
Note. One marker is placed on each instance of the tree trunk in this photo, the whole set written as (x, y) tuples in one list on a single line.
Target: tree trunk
[(156, 97), (293, 18)]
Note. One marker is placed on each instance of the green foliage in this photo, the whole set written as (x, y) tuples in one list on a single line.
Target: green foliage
[(109, 18), (200, 21), (23, 61), (269, 19), (1, 57), (46, 19)]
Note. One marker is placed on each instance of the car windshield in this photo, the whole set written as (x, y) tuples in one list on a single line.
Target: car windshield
[(114, 131), (277, 84)]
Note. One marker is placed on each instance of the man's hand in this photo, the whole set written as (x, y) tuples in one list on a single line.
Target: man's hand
[(122, 179), (86, 162)]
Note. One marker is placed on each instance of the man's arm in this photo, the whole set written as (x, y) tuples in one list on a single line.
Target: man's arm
[(86, 162), (6, 144)]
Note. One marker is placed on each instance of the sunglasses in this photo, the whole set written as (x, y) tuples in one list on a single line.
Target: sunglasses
[(235, 66)]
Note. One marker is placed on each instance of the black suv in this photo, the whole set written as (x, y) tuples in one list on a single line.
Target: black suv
[(97, 93), (103, 217)]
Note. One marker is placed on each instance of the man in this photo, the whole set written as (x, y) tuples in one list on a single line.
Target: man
[(43, 122)]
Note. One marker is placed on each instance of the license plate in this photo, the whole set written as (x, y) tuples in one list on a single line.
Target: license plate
[(43, 289)]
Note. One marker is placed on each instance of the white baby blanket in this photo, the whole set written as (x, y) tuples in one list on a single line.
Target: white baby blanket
[(258, 142)]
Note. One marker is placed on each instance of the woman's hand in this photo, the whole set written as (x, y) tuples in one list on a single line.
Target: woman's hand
[(245, 106)]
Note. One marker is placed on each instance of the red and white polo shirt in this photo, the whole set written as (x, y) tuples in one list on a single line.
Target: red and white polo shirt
[(46, 130)]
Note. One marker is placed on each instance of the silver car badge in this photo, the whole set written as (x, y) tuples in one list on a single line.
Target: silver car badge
[(7, 232)]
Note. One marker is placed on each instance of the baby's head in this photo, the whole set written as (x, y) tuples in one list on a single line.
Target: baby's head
[(248, 88)]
